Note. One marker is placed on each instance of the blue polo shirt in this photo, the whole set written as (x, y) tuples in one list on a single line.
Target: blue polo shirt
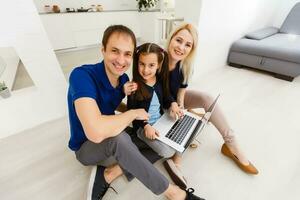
[(91, 81)]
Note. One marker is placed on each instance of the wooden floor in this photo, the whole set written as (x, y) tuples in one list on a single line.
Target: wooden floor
[(264, 112)]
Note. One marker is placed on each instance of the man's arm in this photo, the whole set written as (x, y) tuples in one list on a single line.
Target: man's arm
[(98, 127)]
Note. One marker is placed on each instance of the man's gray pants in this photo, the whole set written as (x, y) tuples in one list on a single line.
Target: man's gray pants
[(127, 155)]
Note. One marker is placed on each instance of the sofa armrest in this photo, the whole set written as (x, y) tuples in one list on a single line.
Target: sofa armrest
[(262, 33)]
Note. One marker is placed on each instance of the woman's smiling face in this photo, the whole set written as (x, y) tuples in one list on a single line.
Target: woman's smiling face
[(180, 45)]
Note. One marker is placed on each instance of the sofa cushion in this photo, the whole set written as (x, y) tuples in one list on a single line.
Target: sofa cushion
[(262, 33), (280, 46), (292, 22)]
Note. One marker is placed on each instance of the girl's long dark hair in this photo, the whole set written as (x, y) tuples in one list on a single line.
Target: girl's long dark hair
[(162, 72)]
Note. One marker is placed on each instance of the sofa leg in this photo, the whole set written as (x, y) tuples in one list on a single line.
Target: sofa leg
[(236, 65), (284, 77)]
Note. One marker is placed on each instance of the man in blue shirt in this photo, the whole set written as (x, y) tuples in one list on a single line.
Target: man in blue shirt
[(97, 135)]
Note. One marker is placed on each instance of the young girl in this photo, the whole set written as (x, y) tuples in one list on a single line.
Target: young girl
[(152, 94)]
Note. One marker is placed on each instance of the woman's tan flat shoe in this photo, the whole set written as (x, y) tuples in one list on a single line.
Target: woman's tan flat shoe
[(250, 169)]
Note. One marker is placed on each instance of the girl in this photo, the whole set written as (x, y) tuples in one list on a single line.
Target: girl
[(152, 94), (181, 48)]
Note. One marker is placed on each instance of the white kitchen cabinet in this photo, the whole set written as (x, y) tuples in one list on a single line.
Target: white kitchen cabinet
[(68, 30), (59, 31), (88, 37), (89, 27), (149, 26)]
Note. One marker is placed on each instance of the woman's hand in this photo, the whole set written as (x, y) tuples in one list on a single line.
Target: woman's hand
[(175, 111), (150, 132), (130, 87), (180, 104), (180, 97)]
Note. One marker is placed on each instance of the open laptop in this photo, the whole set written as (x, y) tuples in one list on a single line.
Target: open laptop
[(180, 133)]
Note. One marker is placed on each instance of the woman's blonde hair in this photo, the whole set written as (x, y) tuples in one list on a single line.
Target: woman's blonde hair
[(186, 65)]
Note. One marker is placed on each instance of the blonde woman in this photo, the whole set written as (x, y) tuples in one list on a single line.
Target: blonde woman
[(181, 47)]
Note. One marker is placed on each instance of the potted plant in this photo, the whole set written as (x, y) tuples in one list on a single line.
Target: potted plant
[(4, 91), (146, 4)]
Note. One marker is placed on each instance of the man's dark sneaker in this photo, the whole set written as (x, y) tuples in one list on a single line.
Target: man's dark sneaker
[(191, 196), (97, 185)]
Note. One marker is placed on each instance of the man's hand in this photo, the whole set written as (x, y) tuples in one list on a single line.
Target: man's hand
[(141, 114), (150, 132), (175, 111), (130, 87)]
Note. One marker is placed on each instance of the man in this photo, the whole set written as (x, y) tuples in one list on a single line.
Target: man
[(97, 135)]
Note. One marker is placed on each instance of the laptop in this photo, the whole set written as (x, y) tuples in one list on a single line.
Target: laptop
[(179, 134)]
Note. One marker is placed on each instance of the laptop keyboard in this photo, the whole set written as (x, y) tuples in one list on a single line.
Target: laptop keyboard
[(180, 129)]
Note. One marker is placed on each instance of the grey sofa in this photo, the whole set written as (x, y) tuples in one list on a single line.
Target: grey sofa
[(271, 49)]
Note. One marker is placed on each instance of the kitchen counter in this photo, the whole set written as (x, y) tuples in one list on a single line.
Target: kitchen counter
[(77, 30), (135, 10)]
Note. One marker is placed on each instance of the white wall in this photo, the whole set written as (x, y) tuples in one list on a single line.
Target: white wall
[(285, 7), (21, 28), (223, 22), (190, 10), (107, 4), (11, 60)]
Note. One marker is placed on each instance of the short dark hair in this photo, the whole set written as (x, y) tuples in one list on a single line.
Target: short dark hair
[(117, 29)]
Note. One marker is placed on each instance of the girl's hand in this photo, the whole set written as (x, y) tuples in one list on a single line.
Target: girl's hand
[(175, 111), (150, 132), (129, 87)]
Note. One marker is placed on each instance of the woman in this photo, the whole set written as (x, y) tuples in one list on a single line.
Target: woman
[(181, 47)]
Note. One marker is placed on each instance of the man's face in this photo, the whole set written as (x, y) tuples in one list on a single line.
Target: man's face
[(118, 54)]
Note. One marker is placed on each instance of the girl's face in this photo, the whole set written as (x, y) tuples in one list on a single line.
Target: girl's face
[(180, 45), (147, 66)]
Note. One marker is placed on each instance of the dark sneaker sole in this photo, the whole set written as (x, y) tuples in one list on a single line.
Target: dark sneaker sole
[(91, 183)]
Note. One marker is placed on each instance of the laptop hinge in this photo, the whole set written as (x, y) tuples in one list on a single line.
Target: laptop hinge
[(193, 134)]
